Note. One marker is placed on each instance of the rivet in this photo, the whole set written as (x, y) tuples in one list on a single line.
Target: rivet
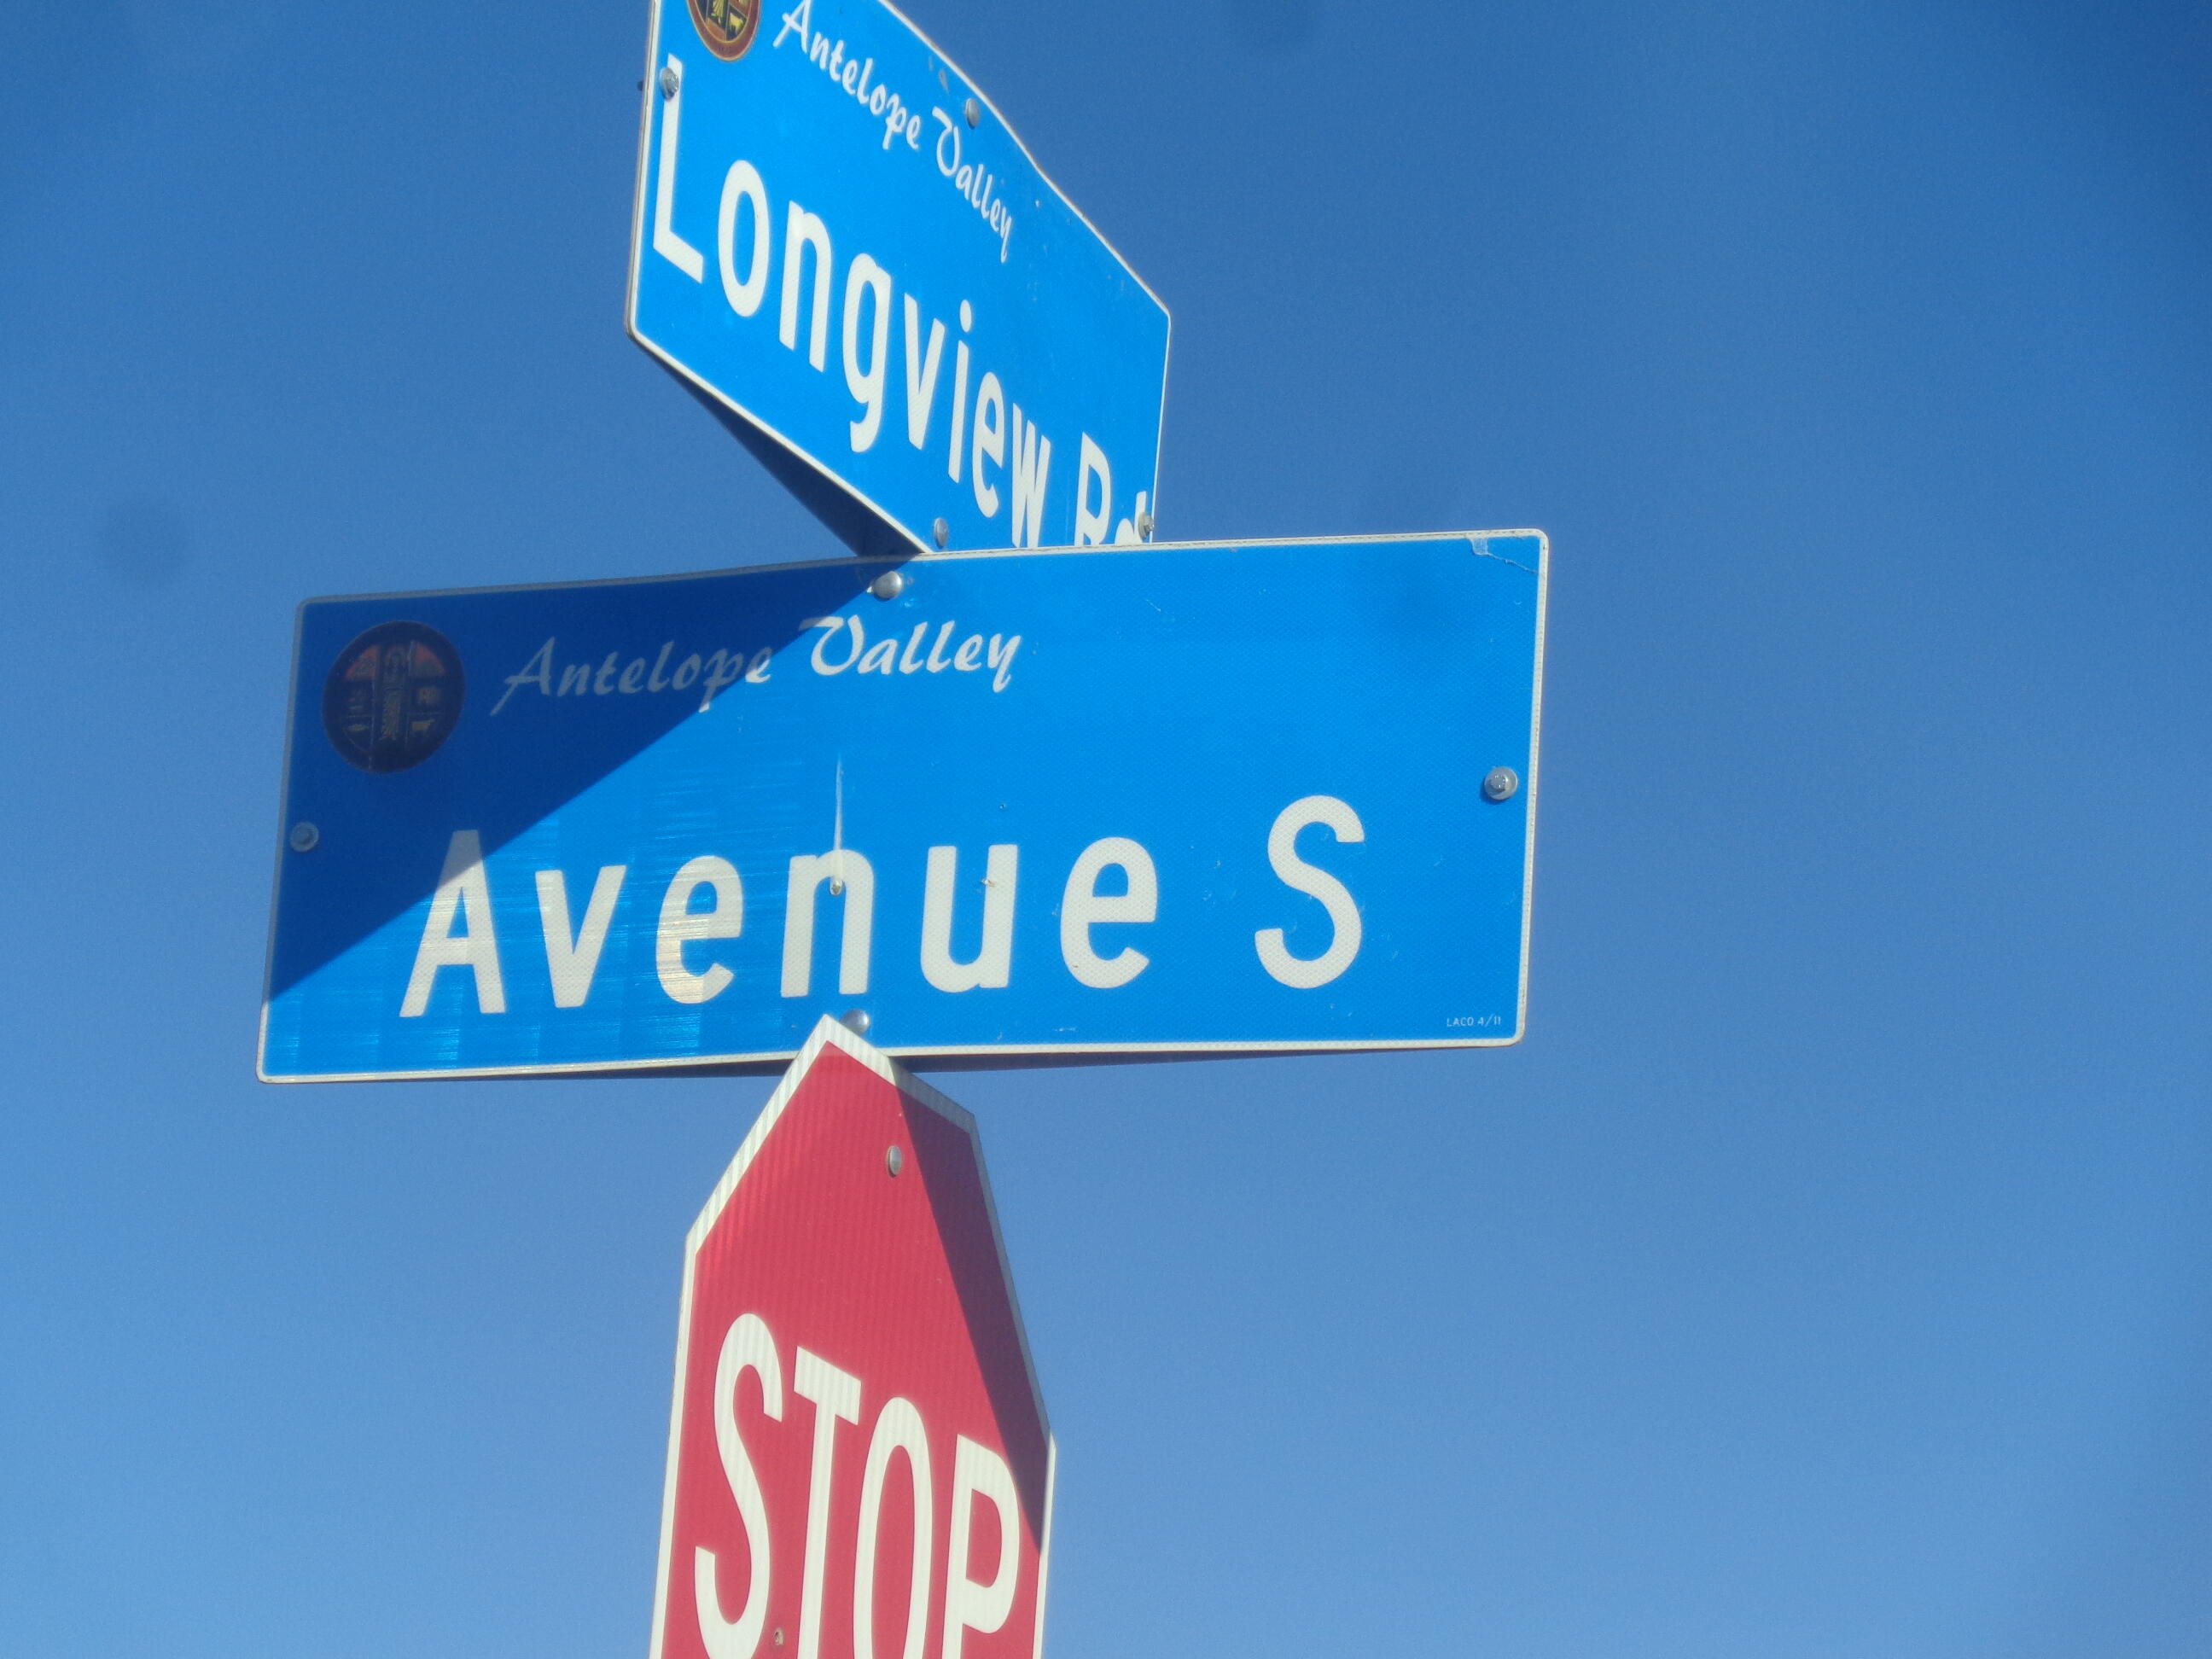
[(1501, 783), (888, 585), (1144, 526), (942, 531), (836, 887), (669, 81), (779, 1636), (856, 1021), (894, 1159), (305, 836), (973, 111)]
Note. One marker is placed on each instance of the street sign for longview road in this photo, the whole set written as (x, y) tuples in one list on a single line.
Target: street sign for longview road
[(1207, 798), (842, 249), (859, 1460)]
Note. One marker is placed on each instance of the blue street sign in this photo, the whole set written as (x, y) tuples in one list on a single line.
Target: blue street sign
[(1206, 798), (842, 249)]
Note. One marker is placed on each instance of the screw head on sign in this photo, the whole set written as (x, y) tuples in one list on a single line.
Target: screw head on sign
[(942, 530), (669, 81), (973, 111), (304, 836), (856, 1021), (894, 1159), (1501, 783), (888, 585), (1144, 526)]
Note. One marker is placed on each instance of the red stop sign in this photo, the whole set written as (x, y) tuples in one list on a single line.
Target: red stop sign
[(859, 1463)]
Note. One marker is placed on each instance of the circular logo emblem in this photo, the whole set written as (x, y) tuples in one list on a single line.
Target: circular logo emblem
[(726, 26), (392, 696)]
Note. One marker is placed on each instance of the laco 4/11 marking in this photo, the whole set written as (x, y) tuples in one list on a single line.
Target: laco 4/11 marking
[(705, 903), (1135, 799)]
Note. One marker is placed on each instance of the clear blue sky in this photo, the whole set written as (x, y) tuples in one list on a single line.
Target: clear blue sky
[(1828, 1275)]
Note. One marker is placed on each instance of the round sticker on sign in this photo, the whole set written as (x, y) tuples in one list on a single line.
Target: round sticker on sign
[(392, 696), (725, 26)]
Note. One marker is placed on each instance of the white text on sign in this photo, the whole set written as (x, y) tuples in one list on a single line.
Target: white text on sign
[(705, 903), (980, 1476), (930, 648), (988, 441)]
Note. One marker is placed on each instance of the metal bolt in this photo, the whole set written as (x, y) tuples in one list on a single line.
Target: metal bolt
[(305, 836), (973, 111), (836, 887), (1501, 783), (888, 585), (856, 1021), (1144, 526), (894, 1159), (669, 81), (779, 1636), (942, 530)]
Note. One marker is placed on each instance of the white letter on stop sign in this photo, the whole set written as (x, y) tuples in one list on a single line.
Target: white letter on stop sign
[(898, 1429), (979, 1471), (746, 1347), (836, 1397)]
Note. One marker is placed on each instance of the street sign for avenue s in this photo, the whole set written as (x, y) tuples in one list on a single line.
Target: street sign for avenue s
[(1138, 800), (842, 248), (859, 1459)]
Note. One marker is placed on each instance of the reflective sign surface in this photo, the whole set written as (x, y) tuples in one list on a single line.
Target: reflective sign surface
[(1205, 798), (842, 248)]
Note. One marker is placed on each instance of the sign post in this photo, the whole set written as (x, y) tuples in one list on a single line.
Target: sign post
[(842, 248), (859, 1460), (1202, 799)]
